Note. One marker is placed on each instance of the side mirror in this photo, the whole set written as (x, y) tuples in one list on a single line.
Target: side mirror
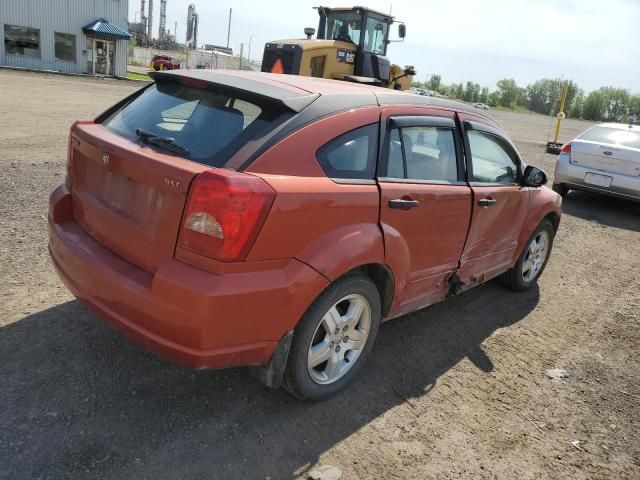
[(534, 177), (402, 30)]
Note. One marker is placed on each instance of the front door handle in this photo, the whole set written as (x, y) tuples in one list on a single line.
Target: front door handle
[(487, 202), (403, 204)]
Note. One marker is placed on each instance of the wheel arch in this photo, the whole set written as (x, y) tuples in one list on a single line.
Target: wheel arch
[(382, 277), (554, 218), (544, 204)]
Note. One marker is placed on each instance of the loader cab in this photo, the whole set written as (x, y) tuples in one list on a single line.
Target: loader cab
[(368, 30)]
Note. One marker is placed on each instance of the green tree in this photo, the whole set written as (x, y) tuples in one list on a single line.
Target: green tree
[(594, 106), (616, 104), (471, 92), (540, 96), (576, 106), (484, 95), (434, 82), (508, 92), (572, 91), (494, 99), (609, 104), (456, 90), (634, 108)]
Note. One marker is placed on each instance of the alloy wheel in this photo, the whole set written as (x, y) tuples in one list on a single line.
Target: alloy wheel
[(535, 257), (339, 339)]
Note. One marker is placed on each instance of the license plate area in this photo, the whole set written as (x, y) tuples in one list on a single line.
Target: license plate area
[(598, 180)]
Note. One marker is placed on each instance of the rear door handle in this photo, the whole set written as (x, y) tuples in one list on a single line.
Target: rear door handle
[(487, 202), (402, 204)]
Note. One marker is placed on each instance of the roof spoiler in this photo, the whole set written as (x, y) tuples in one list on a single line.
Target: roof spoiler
[(266, 90)]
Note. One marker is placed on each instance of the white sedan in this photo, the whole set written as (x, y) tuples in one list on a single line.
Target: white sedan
[(604, 159)]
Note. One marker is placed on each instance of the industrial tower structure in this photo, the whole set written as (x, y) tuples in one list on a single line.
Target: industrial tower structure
[(162, 33), (192, 27), (150, 21), (143, 16)]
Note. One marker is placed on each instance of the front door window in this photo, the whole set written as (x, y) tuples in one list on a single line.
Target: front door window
[(491, 162)]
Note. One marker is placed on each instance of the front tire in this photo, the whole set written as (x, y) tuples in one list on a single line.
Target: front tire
[(532, 261), (333, 339)]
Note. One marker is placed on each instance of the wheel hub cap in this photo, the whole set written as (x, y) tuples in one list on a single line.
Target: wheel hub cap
[(535, 257), (339, 339)]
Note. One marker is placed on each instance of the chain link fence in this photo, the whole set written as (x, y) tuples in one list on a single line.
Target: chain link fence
[(141, 57)]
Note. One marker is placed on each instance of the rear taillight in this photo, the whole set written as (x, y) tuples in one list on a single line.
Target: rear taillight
[(224, 213), (566, 149), (67, 177)]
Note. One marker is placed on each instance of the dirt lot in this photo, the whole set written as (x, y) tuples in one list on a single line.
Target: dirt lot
[(453, 391)]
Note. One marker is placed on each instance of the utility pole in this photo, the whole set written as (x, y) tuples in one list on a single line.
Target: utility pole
[(241, 53), (229, 27), (249, 49), (175, 32)]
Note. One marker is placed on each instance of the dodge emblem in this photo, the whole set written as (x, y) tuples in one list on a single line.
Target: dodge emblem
[(105, 159)]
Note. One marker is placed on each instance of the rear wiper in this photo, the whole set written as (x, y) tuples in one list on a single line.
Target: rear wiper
[(163, 142)]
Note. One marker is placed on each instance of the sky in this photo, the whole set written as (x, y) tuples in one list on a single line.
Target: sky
[(593, 42)]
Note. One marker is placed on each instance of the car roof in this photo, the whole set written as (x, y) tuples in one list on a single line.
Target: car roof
[(620, 126), (298, 91)]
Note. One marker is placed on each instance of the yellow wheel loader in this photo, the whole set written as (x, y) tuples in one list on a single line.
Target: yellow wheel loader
[(351, 45)]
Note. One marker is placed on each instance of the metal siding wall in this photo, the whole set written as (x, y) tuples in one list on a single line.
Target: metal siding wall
[(64, 16), (120, 67)]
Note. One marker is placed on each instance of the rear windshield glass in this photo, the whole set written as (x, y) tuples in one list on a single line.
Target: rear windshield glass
[(614, 136), (204, 125)]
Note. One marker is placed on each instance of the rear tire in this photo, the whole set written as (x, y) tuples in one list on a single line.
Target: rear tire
[(532, 261), (333, 339), (561, 189)]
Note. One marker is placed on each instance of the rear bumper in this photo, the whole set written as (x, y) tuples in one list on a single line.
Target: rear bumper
[(195, 317), (622, 186)]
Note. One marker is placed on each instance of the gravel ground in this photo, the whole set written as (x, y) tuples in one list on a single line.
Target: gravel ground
[(453, 391)]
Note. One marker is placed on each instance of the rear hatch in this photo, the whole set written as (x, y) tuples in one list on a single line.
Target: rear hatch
[(130, 171), (608, 149), (128, 198)]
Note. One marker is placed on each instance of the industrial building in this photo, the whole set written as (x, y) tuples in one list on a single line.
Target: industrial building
[(72, 36)]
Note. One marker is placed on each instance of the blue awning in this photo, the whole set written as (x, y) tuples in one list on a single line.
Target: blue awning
[(107, 29)]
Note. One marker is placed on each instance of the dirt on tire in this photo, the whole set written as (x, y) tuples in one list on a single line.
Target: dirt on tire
[(456, 390)]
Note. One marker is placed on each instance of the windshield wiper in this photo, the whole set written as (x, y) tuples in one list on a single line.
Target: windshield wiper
[(163, 142)]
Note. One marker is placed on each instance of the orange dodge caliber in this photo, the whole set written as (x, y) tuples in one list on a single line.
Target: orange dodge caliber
[(226, 218)]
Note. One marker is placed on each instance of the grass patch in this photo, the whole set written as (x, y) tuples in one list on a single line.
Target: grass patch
[(138, 76)]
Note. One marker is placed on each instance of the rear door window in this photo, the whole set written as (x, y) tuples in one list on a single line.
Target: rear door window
[(209, 124), (352, 155), (424, 153)]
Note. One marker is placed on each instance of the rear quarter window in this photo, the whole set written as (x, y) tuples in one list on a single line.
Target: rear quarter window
[(351, 155), (211, 124)]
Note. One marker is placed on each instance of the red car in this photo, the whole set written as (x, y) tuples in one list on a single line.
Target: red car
[(164, 62), (226, 218)]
